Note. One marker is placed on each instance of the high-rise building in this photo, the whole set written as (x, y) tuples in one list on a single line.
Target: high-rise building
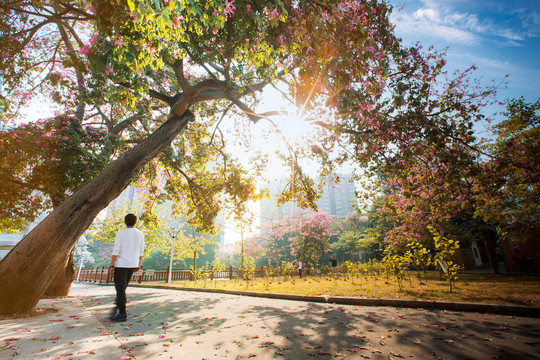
[(338, 199)]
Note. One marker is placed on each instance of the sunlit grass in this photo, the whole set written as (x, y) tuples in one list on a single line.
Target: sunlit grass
[(478, 288)]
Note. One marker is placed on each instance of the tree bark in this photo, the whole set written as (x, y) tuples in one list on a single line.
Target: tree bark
[(61, 283), (29, 268)]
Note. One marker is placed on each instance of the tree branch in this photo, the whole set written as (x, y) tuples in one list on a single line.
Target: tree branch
[(253, 116), (159, 96), (81, 87), (178, 68), (122, 125), (203, 65), (104, 117)]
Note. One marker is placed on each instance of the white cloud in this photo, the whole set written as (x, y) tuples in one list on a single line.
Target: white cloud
[(451, 34), (513, 43), (530, 21), (428, 22), (437, 19), (494, 63), (427, 14), (511, 35), (483, 62)]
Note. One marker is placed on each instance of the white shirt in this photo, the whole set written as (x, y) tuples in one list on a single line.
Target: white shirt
[(129, 247)]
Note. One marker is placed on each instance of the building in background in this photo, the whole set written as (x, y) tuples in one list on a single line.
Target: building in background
[(338, 199)]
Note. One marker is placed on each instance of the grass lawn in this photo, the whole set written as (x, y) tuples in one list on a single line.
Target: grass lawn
[(478, 288)]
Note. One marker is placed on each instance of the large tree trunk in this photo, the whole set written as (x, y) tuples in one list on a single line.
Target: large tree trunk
[(29, 268), (61, 282)]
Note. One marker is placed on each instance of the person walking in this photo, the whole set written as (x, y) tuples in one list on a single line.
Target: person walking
[(127, 257), (300, 268), (333, 262)]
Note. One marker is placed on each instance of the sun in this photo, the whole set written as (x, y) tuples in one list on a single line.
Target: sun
[(292, 122)]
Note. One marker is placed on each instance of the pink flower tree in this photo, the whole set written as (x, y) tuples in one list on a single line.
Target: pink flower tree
[(305, 237), (472, 189), (276, 242), (42, 164), (313, 239)]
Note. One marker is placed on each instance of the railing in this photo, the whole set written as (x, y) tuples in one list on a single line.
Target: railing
[(103, 275)]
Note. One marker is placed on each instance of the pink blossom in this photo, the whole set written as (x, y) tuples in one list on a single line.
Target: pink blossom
[(229, 8), (109, 70), (85, 50), (93, 39), (119, 41)]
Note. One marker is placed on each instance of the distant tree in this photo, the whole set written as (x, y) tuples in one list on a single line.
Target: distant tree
[(228, 256), (381, 220), (160, 260), (276, 240), (254, 248), (473, 188), (208, 255), (313, 239), (508, 190), (82, 255), (349, 238), (101, 252)]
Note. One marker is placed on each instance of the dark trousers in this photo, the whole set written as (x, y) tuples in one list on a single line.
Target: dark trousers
[(121, 281)]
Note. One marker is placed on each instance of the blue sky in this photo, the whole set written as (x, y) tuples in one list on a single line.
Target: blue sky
[(498, 36)]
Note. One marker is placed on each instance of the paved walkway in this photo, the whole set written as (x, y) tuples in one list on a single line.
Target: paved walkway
[(170, 324)]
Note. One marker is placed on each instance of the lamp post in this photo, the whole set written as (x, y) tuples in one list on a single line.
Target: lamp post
[(194, 247), (242, 244), (173, 232), (171, 260)]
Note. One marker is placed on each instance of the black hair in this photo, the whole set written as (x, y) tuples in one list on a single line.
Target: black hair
[(130, 219)]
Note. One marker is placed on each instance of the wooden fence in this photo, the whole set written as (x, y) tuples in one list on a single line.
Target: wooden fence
[(103, 275)]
